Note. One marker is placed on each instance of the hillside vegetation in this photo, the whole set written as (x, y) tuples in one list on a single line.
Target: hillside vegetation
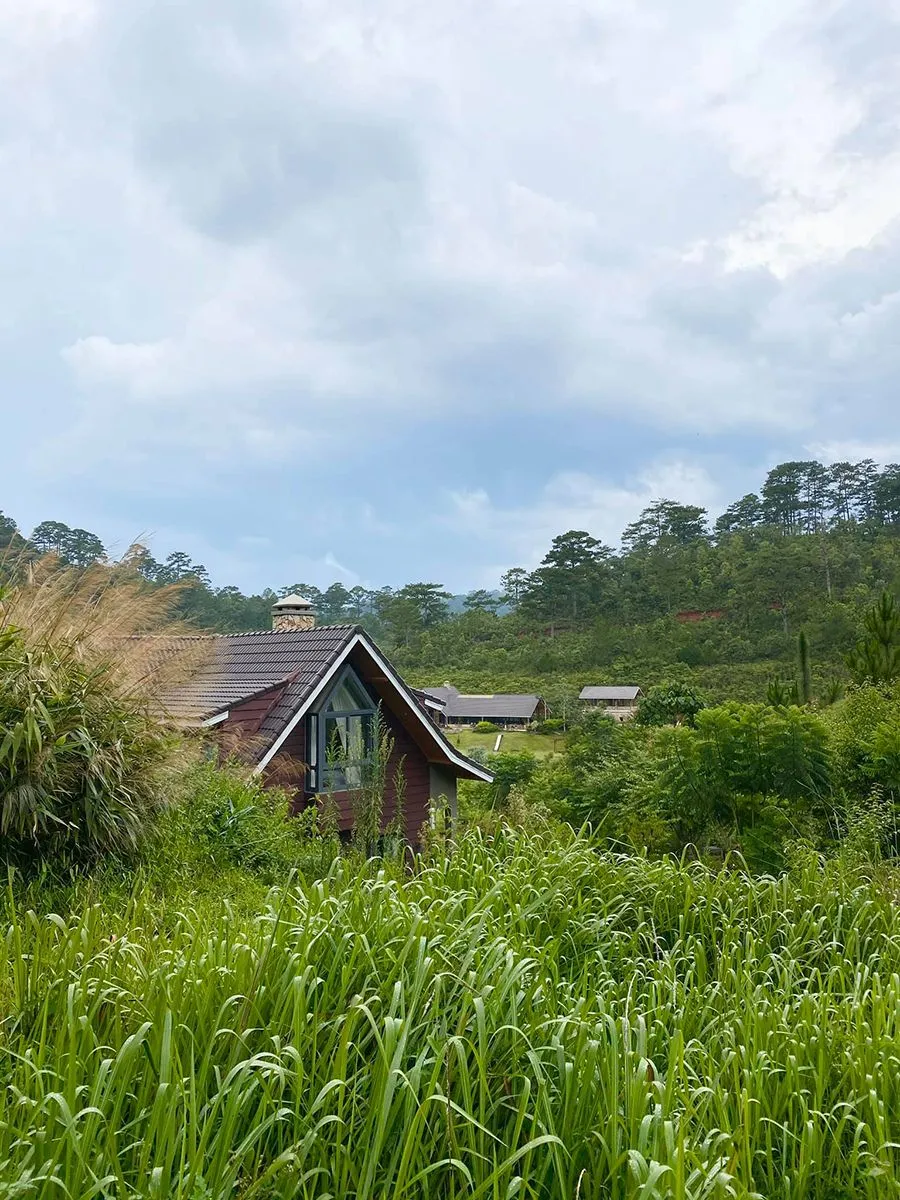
[(722, 603), (203, 999)]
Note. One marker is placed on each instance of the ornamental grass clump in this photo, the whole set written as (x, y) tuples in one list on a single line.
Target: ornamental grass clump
[(83, 756)]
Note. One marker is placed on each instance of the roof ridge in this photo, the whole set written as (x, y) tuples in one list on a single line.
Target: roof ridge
[(287, 633), (208, 637), (251, 633)]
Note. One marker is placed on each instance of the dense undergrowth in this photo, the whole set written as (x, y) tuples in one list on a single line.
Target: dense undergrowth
[(525, 1017)]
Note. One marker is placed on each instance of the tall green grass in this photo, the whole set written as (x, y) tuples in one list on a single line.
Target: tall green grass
[(527, 1019)]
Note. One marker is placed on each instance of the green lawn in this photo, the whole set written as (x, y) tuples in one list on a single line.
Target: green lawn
[(515, 741)]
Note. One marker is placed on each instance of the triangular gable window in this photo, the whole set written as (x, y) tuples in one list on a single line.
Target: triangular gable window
[(349, 695), (342, 736)]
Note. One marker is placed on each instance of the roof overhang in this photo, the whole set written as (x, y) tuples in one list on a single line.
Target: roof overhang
[(216, 720)]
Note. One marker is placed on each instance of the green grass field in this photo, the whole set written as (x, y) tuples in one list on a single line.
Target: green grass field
[(532, 1019), (513, 742)]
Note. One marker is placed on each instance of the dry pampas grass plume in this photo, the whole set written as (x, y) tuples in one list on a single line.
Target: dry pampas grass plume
[(104, 614)]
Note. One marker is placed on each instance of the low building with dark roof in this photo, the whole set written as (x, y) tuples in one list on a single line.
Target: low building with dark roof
[(304, 705), (619, 702), (506, 710)]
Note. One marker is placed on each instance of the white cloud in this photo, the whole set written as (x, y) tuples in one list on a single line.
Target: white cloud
[(881, 452), (44, 24), (255, 330), (247, 243), (574, 500), (557, 218), (347, 574), (763, 84)]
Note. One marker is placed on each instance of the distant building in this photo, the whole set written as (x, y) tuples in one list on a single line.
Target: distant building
[(620, 703), (507, 711)]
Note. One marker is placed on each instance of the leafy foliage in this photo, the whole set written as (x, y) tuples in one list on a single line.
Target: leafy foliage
[(741, 762), (676, 703), (528, 1017), (224, 817)]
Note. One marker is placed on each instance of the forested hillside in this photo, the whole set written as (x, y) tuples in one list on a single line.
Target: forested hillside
[(723, 600)]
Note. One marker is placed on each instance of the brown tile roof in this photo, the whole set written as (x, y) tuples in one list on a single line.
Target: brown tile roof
[(241, 665), (234, 668)]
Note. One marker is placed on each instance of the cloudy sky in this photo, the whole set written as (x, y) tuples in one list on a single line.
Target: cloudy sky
[(379, 290)]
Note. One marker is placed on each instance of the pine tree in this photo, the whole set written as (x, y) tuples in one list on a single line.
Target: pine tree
[(876, 656)]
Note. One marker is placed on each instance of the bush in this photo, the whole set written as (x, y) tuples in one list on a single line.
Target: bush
[(81, 761), (551, 725), (750, 772), (486, 727), (226, 818), (673, 703)]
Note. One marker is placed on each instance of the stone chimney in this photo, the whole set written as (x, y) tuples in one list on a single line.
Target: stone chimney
[(292, 613)]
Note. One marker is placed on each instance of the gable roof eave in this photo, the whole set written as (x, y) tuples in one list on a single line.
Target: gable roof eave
[(361, 638)]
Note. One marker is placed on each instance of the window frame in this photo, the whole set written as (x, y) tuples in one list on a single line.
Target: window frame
[(320, 776)]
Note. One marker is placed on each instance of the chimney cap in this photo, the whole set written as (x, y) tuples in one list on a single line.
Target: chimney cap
[(294, 601)]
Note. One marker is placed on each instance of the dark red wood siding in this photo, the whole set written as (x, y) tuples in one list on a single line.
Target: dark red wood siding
[(416, 774), (239, 733), (249, 715)]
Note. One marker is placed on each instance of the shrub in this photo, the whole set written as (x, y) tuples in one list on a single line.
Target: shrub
[(747, 770), (510, 770), (670, 704), (80, 762), (486, 727), (226, 818), (551, 725)]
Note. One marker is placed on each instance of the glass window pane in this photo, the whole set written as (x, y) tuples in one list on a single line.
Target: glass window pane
[(313, 751), (348, 749), (349, 695)]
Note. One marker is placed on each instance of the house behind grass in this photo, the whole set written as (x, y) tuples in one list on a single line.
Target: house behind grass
[(304, 704)]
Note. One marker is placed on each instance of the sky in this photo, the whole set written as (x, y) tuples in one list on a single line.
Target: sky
[(382, 291)]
